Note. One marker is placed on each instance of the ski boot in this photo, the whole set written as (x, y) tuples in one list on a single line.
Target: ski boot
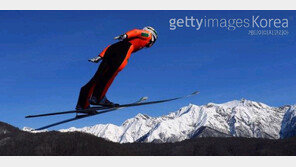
[(82, 111), (104, 102)]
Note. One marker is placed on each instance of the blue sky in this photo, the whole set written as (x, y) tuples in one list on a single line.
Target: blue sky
[(43, 63)]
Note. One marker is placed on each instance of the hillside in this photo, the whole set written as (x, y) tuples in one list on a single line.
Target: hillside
[(16, 142)]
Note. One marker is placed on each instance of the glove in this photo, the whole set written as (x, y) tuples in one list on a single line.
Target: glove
[(121, 37), (95, 59)]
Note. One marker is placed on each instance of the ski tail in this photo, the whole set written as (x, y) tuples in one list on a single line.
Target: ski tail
[(57, 123)]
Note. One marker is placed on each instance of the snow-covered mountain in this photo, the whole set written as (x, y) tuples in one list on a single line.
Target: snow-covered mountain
[(242, 118)]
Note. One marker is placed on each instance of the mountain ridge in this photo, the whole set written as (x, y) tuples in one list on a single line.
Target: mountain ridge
[(237, 118)]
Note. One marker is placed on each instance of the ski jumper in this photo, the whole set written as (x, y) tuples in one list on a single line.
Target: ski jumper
[(115, 58)]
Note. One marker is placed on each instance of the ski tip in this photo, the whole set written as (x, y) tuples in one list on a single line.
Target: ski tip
[(196, 92), (144, 98), (28, 116)]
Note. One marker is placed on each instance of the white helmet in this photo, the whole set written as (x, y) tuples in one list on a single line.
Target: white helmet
[(154, 35)]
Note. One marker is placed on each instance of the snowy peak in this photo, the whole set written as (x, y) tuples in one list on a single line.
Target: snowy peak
[(137, 118), (240, 103), (186, 109)]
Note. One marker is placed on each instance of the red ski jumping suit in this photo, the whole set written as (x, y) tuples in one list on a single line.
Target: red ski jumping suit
[(115, 58)]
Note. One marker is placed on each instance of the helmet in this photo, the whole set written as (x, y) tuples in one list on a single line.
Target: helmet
[(154, 35)]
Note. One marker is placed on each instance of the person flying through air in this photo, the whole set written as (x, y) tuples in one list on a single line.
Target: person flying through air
[(114, 59)]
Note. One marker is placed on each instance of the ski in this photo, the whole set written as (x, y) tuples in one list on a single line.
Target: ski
[(87, 115), (86, 111), (93, 110)]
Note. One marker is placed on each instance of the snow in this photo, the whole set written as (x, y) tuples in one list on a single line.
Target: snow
[(238, 118), (28, 129), (288, 128)]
